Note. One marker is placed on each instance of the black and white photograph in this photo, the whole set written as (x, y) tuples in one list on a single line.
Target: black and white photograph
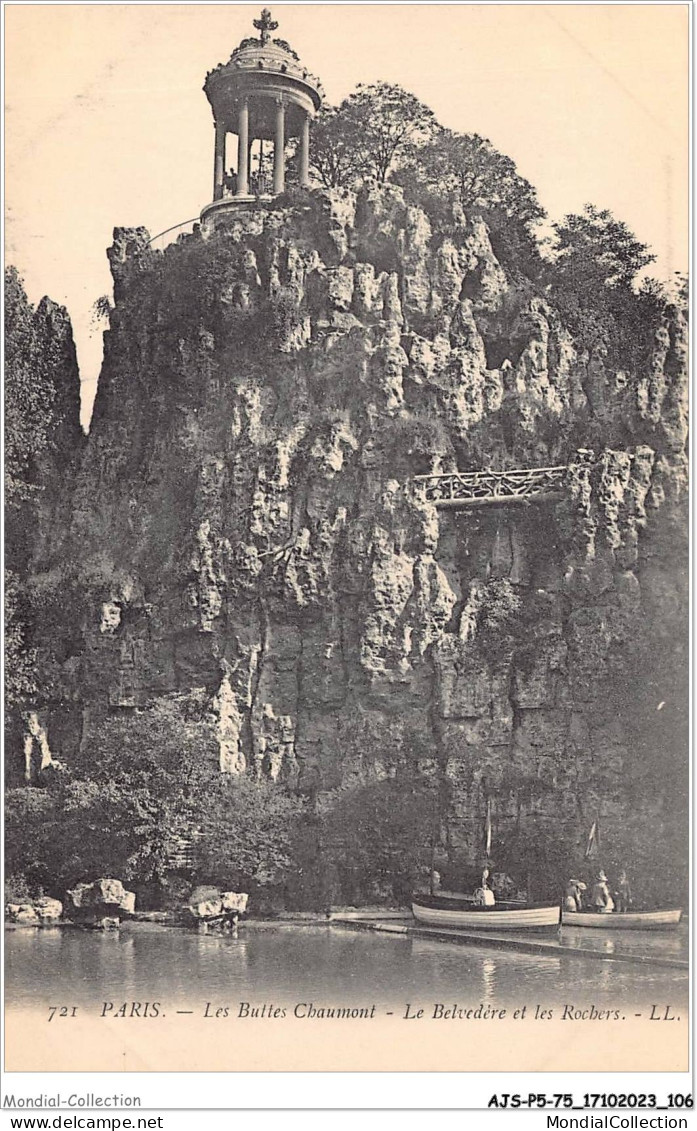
[(346, 541)]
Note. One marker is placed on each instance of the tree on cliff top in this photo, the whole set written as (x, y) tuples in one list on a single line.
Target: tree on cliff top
[(386, 133), (593, 249), (336, 158), (592, 276), (467, 168), (369, 132)]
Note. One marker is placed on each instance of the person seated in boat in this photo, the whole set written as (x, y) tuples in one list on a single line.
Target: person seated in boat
[(623, 893), (484, 896), (601, 900), (502, 885)]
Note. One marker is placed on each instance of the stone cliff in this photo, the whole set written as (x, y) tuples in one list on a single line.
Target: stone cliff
[(43, 442), (244, 519)]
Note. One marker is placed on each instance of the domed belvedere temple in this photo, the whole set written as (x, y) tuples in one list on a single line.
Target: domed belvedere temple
[(265, 96)]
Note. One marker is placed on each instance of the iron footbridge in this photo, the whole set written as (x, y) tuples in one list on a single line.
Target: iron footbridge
[(492, 488)]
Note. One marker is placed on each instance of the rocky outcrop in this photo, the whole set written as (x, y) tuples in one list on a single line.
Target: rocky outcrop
[(40, 912), (209, 905), (244, 519), (44, 442), (57, 464), (54, 334), (38, 757), (104, 899)]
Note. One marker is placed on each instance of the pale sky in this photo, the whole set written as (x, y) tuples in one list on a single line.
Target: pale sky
[(106, 122)]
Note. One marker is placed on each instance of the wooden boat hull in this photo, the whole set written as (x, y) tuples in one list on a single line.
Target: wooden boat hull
[(623, 920), (498, 918)]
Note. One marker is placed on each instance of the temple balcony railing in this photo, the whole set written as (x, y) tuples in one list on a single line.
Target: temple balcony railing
[(171, 235)]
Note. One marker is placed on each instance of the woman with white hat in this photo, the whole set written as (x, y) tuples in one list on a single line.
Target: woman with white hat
[(600, 896)]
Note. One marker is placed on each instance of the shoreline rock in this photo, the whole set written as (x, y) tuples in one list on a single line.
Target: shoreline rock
[(208, 906), (102, 903), (37, 913)]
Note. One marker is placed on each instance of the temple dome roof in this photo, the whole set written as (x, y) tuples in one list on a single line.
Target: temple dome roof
[(255, 58)]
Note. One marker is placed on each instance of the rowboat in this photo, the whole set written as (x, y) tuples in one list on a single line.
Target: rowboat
[(623, 920), (436, 911), (465, 897)]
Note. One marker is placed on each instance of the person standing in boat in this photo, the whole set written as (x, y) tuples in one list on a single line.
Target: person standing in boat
[(623, 893), (601, 900), (573, 897)]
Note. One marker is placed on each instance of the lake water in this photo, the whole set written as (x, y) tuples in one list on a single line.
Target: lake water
[(287, 963), (260, 1001)]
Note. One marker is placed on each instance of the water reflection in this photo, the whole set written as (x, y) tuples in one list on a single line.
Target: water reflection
[(488, 978), (328, 963), (663, 944)]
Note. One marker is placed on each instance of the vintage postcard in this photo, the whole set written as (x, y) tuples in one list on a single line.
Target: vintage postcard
[(346, 536)]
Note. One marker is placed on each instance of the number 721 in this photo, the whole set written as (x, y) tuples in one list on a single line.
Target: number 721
[(61, 1011)]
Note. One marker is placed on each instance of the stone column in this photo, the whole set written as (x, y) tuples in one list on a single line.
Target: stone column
[(243, 149), (304, 169), (279, 165), (219, 164)]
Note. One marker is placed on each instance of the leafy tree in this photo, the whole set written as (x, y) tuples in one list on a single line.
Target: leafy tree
[(246, 833), (372, 130), (664, 294), (594, 250), (392, 122), (20, 657), (84, 829), (500, 606), (102, 309), (336, 154), (500, 623), (593, 281), (467, 168), (154, 767), (149, 783), (121, 813), (158, 769), (168, 747), (381, 835), (27, 841), (113, 829)]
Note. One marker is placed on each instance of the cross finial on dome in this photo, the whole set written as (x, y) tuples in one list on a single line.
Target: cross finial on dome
[(265, 25)]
